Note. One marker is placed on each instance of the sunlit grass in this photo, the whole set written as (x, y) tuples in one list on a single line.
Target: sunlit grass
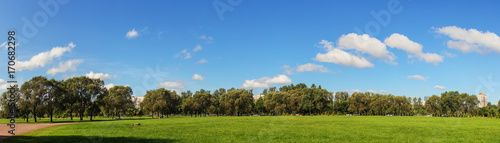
[(274, 129)]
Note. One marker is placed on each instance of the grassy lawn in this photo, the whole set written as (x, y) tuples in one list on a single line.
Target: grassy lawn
[(274, 129), (63, 120)]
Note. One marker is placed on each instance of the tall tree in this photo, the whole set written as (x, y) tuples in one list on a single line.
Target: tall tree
[(119, 99), (36, 90), (86, 92)]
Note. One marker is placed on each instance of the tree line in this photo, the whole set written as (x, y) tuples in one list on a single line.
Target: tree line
[(87, 97)]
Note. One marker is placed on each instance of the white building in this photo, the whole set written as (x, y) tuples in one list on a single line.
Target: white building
[(483, 99), (255, 97), (137, 100)]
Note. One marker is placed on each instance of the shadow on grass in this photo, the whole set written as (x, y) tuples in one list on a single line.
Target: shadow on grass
[(82, 139)]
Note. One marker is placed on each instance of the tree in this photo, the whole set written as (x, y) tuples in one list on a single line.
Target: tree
[(35, 91), (5, 104), (259, 106), (53, 98), (119, 99), (87, 93), (340, 104), (432, 105), (358, 103)]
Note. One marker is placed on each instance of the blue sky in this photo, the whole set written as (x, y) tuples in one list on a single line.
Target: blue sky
[(424, 48)]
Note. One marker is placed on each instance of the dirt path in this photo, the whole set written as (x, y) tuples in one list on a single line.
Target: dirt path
[(22, 128)]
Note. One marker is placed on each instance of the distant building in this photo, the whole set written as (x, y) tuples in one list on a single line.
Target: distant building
[(137, 100), (483, 99), (255, 97)]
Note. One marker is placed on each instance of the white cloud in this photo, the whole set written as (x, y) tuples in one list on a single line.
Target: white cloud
[(197, 77), (471, 40), (402, 42), (132, 34), (451, 55), (365, 44), (439, 87), (352, 91), (109, 86), (383, 91), (208, 39), (287, 69), (3, 85), (202, 61), (197, 48), (372, 91), (44, 58), (419, 77), (63, 67), (101, 76), (338, 56), (185, 54), (309, 67), (173, 84), (265, 82)]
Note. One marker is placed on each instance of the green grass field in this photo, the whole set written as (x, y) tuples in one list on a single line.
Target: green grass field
[(64, 120), (273, 129)]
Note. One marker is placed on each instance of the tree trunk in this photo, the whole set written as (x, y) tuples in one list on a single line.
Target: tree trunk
[(71, 112), (51, 117), (34, 113)]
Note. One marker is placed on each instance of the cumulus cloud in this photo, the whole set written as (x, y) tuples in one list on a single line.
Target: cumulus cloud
[(383, 91), (471, 40), (109, 86), (419, 77), (309, 67), (63, 67), (44, 58), (197, 77), (172, 84), (365, 44), (202, 61), (372, 91), (439, 87), (132, 34), (341, 57), (101, 76), (414, 49), (265, 82)]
